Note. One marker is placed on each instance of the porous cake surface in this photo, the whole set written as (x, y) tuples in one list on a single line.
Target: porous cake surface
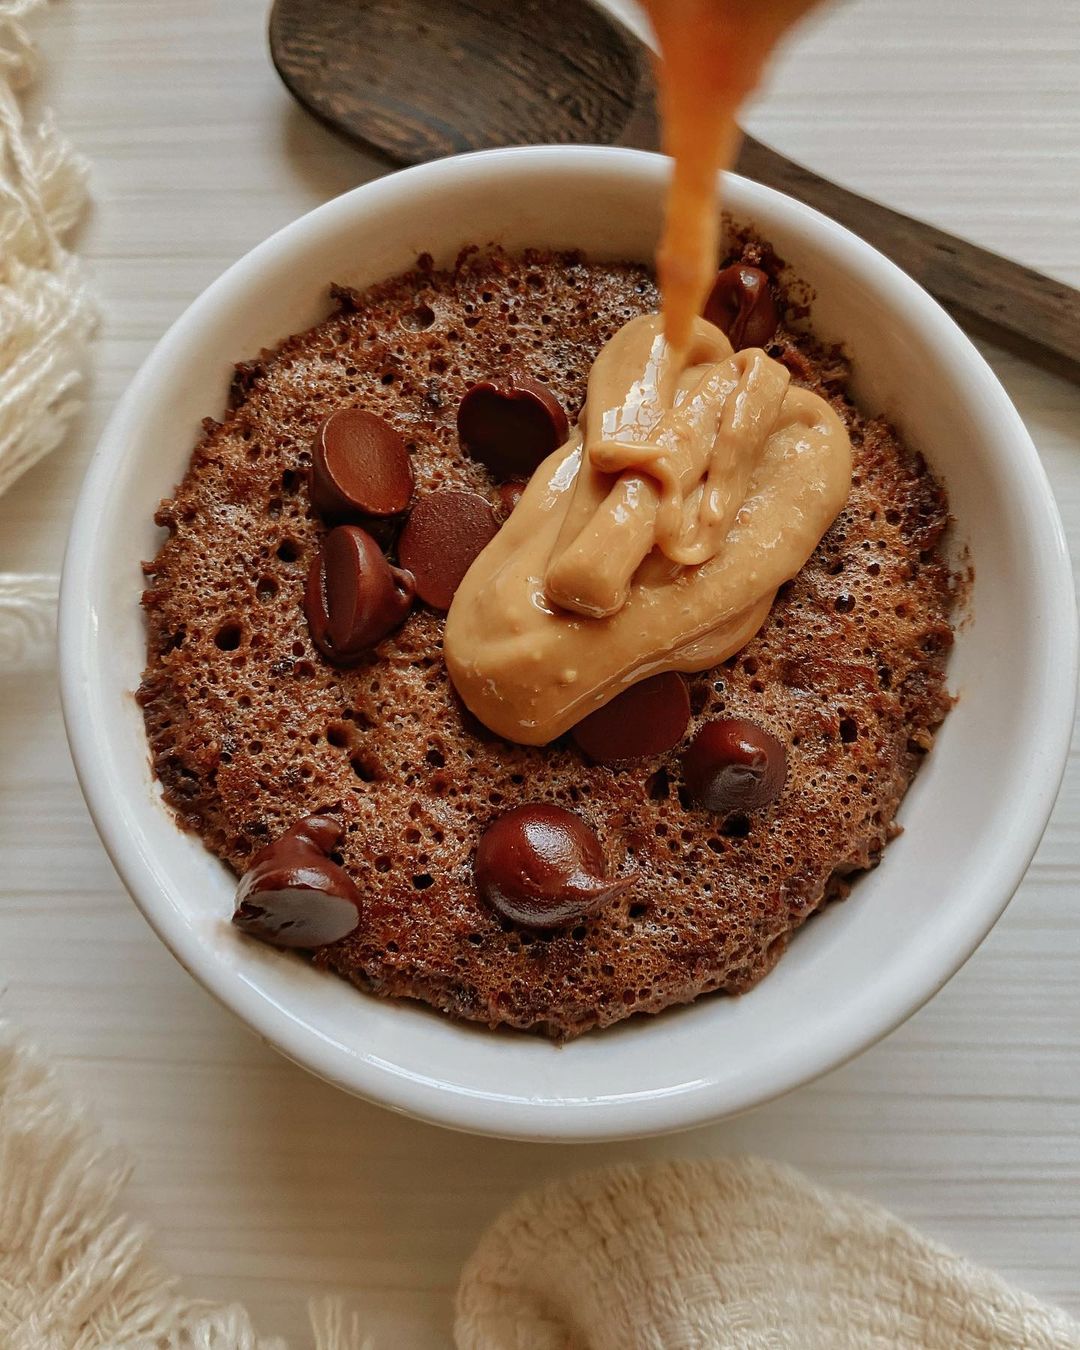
[(251, 729)]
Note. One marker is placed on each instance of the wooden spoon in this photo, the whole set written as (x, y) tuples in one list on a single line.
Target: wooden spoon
[(419, 79)]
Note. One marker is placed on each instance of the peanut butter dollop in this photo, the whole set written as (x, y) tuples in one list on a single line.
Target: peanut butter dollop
[(655, 539)]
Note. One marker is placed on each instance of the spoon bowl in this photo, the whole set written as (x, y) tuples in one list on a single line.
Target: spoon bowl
[(420, 79)]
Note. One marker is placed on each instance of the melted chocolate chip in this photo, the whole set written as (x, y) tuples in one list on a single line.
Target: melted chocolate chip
[(359, 467), (353, 596), (292, 895), (543, 867), (734, 765), (741, 305), (444, 533), (510, 424), (646, 719)]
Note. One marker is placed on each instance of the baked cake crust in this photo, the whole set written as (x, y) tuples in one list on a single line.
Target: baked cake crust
[(251, 729)]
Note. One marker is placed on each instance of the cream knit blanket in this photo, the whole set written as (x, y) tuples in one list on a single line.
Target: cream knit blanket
[(738, 1254), (741, 1254)]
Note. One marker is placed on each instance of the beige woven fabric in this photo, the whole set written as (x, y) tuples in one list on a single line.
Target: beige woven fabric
[(735, 1255), (46, 316)]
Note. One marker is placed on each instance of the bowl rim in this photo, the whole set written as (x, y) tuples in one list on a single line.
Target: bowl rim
[(896, 996)]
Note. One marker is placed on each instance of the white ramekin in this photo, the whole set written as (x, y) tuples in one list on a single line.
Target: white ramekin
[(971, 821)]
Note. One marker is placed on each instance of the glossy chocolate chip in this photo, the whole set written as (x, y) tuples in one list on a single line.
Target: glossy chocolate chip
[(353, 596), (734, 765), (543, 867), (359, 467), (511, 424), (509, 494), (444, 533), (646, 719), (293, 895), (741, 304)]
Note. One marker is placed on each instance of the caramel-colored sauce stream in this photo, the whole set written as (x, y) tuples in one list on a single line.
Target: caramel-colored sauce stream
[(712, 54)]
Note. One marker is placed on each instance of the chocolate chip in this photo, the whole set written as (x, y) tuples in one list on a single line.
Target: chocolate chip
[(509, 494), (359, 467), (646, 719), (353, 596), (741, 304), (734, 765), (510, 424), (292, 895), (542, 866), (444, 533)]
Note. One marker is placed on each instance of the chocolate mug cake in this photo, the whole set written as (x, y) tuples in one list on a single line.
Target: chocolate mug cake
[(374, 682)]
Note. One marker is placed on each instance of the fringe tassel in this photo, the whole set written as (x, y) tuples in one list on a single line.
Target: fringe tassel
[(27, 622), (335, 1327), (46, 315), (74, 1273)]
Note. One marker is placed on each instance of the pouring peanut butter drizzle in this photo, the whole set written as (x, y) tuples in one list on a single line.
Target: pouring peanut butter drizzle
[(697, 480), (712, 54)]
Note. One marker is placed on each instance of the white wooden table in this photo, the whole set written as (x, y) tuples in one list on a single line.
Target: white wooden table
[(268, 1186)]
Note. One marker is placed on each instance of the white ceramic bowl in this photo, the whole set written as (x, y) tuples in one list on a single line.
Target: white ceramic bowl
[(972, 819)]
